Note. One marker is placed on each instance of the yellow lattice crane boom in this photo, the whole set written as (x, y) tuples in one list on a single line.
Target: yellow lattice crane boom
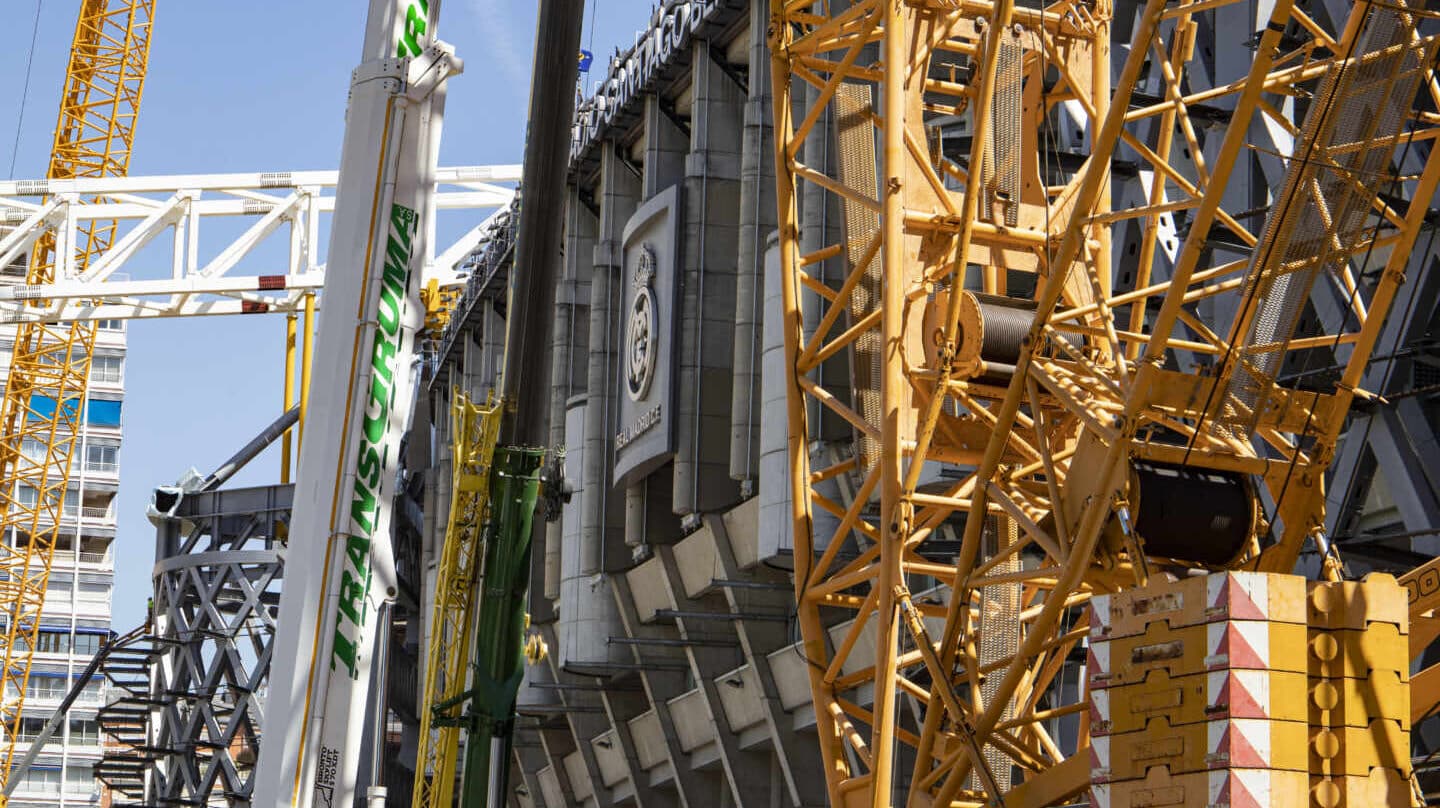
[(474, 430), (1102, 418), (43, 411)]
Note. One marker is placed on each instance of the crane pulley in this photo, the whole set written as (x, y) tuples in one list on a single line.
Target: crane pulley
[(1104, 417)]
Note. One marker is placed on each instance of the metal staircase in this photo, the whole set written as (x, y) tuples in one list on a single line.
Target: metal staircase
[(123, 720)]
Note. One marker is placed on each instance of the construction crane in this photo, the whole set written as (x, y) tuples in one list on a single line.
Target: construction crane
[(340, 569), (491, 580), (1105, 418), (473, 432), (45, 393), (390, 148)]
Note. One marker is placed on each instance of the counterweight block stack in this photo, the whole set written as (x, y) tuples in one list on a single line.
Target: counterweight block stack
[(1250, 689)]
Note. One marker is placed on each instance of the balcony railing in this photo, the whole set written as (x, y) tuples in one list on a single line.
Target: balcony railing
[(67, 557), (70, 512), (86, 697), (93, 466)]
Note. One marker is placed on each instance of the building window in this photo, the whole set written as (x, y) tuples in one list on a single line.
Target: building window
[(43, 781), (30, 729), (72, 499), (32, 449), (87, 645), (85, 731), (111, 325), (101, 412), (45, 687), (102, 457), (53, 642), (106, 369), (94, 593), (79, 778)]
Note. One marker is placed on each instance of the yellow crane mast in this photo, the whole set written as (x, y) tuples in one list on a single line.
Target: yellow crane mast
[(46, 392), (970, 314), (474, 430)]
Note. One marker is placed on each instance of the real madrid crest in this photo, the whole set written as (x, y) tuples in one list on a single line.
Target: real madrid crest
[(642, 328)]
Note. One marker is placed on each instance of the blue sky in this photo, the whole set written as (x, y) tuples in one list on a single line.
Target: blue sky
[(254, 86)]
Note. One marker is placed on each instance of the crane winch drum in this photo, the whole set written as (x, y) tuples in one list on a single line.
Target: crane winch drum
[(990, 336)]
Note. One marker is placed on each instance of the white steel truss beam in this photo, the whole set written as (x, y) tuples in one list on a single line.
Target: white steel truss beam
[(200, 274)]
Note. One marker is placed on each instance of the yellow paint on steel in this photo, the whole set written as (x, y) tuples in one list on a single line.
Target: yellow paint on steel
[(1051, 446), (288, 398), (308, 326), (474, 432), (46, 394)]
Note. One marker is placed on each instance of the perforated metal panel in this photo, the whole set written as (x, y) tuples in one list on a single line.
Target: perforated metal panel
[(999, 632), (855, 139), (1320, 219), (1002, 157)]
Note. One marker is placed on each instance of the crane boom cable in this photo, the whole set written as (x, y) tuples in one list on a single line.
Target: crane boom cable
[(25, 90), (1346, 311), (44, 407), (1255, 286)]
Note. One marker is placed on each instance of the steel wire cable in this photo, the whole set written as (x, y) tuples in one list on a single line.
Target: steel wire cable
[(1251, 294), (25, 89), (1389, 366), (1347, 311)]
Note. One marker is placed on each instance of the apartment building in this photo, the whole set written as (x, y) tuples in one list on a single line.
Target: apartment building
[(76, 616)]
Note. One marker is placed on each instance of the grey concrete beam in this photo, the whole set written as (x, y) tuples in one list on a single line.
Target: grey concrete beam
[(797, 758), (705, 666), (659, 688), (621, 708)]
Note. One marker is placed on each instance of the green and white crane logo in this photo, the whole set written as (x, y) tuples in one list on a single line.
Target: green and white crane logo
[(376, 438)]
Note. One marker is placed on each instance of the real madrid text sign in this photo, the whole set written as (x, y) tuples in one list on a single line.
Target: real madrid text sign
[(644, 432)]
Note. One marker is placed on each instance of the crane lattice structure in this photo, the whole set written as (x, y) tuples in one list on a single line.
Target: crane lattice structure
[(1031, 406), (474, 431), (45, 394)]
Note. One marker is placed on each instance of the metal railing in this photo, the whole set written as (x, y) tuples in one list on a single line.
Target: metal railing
[(490, 258), (94, 466), (71, 557)]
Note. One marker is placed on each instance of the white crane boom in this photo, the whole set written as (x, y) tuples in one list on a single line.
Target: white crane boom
[(339, 566)]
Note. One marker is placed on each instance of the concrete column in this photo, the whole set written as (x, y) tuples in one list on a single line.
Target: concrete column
[(666, 143), (776, 526), (649, 519), (620, 193), (757, 219), (570, 350), (594, 521), (707, 290), (821, 225)]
